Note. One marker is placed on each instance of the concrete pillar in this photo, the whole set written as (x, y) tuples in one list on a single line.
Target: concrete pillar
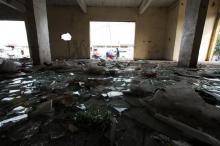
[(37, 31), (195, 16)]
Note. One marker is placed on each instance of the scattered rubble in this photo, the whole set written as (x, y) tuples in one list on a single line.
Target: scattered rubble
[(96, 103), (9, 66)]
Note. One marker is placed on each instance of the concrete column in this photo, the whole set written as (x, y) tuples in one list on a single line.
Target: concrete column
[(37, 31), (195, 16)]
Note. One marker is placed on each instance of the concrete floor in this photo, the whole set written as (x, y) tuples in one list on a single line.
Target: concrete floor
[(98, 103)]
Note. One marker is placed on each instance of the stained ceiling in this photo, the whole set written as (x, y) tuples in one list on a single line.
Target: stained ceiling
[(112, 3)]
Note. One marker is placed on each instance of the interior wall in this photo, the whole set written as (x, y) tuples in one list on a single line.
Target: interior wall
[(156, 29), (68, 19), (151, 34), (150, 30), (171, 30), (214, 6)]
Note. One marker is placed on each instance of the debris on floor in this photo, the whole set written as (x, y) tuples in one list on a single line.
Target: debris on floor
[(108, 103), (9, 66)]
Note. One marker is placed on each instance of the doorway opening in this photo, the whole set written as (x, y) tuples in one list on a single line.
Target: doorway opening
[(112, 40), (13, 40)]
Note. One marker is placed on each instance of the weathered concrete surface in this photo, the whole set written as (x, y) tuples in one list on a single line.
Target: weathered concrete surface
[(179, 29), (40, 12), (73, 21), (196, 12), (151, 34), (32, 33), (172, 21), (37, 31), (64, 102), (181, 98), (7, 13), (214, 5), (150, 29), (158, 30)]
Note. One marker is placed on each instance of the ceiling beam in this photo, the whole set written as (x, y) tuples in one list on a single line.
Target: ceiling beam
[(14, 5), (82, 5), (144, 6)]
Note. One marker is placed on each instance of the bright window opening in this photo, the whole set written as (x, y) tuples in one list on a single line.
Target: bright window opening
[(112, 40), (13, 40)]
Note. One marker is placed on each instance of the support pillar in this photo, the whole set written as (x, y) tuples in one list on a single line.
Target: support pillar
[(37, 31), (196, 12)]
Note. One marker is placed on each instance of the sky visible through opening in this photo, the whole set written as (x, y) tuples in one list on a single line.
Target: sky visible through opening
[(107, 36), (13, 33)]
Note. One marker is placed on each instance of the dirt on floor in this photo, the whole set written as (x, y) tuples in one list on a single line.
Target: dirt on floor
[(101, 103)]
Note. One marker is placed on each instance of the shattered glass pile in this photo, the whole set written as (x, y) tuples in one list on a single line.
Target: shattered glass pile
[(98, 103)]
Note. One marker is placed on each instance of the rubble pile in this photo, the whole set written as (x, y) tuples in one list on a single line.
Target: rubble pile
[(99, 103)]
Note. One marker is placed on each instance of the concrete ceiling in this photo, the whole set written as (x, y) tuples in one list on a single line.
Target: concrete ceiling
[(62, 2), (112, 3), (162, 3)]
